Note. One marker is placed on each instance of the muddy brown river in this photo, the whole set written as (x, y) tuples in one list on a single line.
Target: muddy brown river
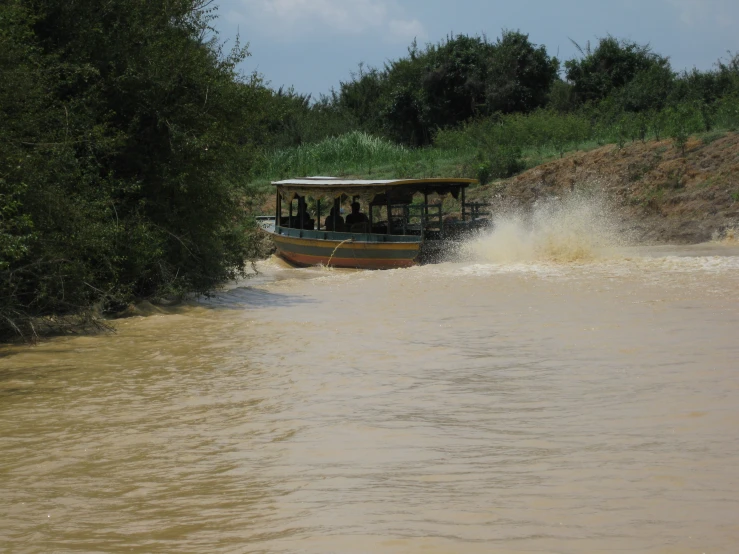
[(508, 403)]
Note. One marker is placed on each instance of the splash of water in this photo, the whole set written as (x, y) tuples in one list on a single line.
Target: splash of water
[(577, 228)]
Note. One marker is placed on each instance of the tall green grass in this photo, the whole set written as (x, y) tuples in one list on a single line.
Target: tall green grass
[(495, 147), (354, 154)]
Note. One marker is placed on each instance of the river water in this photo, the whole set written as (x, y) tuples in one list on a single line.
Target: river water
[(499, 404)]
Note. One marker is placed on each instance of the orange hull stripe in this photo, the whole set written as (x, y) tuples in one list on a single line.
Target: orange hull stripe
[(356, 245), (359, 263)]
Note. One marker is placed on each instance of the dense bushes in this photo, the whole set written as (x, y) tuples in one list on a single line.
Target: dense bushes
[(617, 92), (127, 140), (495, 147), (612, 66), (623, 90), (448, 83)]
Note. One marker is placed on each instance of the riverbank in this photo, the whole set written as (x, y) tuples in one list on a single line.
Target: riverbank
[(662, 195)]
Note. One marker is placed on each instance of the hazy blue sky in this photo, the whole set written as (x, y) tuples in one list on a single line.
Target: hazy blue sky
[(314, 44)]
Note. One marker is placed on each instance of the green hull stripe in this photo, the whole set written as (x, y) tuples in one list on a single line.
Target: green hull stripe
[(348, 251), (373, 238)]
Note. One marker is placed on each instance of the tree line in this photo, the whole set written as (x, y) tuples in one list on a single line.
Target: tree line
[(126, 139), (494, 100), (466, 79), (129, 137)]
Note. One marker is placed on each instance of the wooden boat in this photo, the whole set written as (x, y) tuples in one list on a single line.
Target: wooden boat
[(400, 228)]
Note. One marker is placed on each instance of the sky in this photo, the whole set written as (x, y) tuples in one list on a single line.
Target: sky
[(313, 45)]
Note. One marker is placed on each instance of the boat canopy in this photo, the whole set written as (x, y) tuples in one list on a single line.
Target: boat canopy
[(395, 190)]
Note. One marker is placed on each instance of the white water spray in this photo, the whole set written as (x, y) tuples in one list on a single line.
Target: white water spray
[(577, 228)]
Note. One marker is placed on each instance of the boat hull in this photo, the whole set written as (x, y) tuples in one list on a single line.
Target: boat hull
[(362, 251)]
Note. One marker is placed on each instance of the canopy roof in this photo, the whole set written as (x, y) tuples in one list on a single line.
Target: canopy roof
[(396, 189)]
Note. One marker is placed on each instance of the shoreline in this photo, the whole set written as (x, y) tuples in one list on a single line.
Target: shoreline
[(664, 197)]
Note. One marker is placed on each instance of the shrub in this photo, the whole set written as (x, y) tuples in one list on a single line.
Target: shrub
[(124, 162), (683, 120), (727, 113)]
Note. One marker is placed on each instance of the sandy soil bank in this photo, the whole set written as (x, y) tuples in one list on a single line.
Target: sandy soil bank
[(663, 196)]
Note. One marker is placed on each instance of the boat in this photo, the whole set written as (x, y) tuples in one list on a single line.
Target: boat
[(398, 228)]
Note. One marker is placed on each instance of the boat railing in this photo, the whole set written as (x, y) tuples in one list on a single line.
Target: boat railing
[(427, 220), (475, 210), (423, 220), (415, 218), (266, 221)]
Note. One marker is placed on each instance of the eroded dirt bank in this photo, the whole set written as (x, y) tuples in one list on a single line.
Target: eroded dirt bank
[(661, 195)]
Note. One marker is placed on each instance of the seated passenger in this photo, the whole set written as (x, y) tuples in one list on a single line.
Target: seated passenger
[(303, 220), (330, 221), (356, 216)]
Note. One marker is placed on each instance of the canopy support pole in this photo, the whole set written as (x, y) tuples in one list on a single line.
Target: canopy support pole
[(463, 204), (389, 217)]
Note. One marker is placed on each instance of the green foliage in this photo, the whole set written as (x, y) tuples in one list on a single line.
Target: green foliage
[(505, 137), (520, 75), (567, 129), (712, 137), (442, 86), (612, 65), (448, 83), (335, 155), (361, 98), (128, 138), (727, 112), (706, 86), (648, 90), (562, 97), (683, 120), (658, 122), (292, 119), (504, 160)]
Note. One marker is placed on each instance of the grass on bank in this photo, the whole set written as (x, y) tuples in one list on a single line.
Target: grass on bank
[(494, 148)]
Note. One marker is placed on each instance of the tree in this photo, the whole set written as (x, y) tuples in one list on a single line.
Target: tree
[(611, 66), (128, 141), (448, 83), (454, 79), (361, 97), (436, 88), (561, 97), (520, 74), (649, 89)]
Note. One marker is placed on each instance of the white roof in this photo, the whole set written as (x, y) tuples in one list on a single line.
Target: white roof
[(331, 182)]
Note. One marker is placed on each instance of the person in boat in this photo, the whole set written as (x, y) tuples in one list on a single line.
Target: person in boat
[(330, 221), (303, 220), (357, 219)]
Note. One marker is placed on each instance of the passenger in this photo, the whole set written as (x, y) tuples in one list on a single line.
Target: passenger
[(330, 221), (303, 220), (356, 216)]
